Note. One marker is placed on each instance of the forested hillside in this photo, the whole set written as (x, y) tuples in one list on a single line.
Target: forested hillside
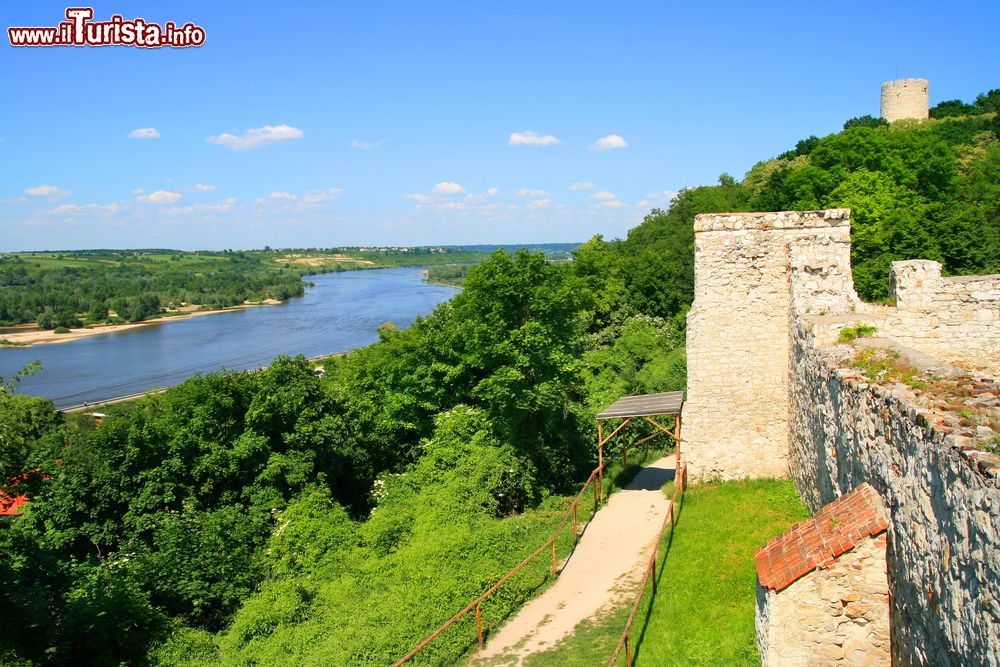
[(280, 518)]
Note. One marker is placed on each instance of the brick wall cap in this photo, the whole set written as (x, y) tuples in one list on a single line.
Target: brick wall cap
[(836, 529)]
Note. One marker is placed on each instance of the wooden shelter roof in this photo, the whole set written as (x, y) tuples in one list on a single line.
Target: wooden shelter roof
[(646, 405)]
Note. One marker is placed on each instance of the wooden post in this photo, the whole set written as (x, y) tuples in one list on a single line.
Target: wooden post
[(553, 556), (652, 568), (677, 439), (574, 521), (624, 459), (628, 654), (600, 456), (479, 627)]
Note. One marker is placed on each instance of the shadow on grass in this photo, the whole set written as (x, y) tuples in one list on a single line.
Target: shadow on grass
[(660, 569)]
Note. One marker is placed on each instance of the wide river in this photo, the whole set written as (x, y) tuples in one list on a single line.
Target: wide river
[(341, 312)]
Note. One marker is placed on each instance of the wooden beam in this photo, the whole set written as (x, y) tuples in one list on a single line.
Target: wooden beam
[(672, 434), (613, 433)]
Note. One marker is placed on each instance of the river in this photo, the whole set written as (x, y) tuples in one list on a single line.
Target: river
[(340, 313)]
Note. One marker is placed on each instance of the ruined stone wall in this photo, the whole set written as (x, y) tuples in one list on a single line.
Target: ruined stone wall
[(836, 615), (954, 319), (941, 491), (905, 98), (737, 409), (768, 395)]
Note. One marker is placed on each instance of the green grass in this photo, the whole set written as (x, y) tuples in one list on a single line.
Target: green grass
[(884, 365), (848, 334), (703, 612)]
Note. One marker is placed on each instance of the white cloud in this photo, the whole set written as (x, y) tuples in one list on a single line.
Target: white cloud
[(482, 196), (210, 207), (161, 197), (447, 188), (607, 199), (545, 202), (288, 201), (366, 145), (529, 138), (82, 209), (224, 205), (419, 198), (257, 137), (46, 191), (657, 199), (144, 133), (582, 185), (202, 187), (608, 143), (526, 192), (321, 196)]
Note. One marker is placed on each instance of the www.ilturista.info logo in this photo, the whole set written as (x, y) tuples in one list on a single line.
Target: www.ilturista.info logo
[(81, 30)]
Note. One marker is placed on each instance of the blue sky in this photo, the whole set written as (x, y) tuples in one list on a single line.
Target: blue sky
[(320, 124)]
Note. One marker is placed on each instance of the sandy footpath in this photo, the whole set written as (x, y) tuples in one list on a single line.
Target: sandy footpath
[(608, 563), (28, 335)]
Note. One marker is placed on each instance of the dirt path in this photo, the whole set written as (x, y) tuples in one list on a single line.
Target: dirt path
[(607, 563)]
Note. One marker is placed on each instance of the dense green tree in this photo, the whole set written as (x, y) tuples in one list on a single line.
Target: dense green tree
[(865, 121), (952, 108)]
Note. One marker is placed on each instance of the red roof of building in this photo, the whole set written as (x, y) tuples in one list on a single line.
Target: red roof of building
[(11, 506), (836, 529)]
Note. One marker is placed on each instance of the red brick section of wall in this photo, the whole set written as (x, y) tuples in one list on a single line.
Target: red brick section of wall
[(835, 529)]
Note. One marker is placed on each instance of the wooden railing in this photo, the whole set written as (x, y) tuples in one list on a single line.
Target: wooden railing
[(475, 605), (680, 483)]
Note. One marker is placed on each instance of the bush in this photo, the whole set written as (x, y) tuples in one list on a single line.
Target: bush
[(60, 330), (857, 331)]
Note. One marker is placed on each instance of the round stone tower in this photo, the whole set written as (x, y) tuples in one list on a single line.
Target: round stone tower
[(905, 98)]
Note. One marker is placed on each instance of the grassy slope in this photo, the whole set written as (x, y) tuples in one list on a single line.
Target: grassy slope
[(369, 610), (703, 613)]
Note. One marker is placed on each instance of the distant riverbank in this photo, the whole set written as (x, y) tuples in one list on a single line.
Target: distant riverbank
[(339, 312), (16, 337)]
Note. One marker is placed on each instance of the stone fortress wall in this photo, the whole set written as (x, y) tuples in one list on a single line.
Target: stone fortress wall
[(905, 98), (956, 319), (736, 417), (770, 394)]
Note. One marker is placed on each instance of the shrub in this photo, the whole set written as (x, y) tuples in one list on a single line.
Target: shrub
[(60, 330), (859, 330)]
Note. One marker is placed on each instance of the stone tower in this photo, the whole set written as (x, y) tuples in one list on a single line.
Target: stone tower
[(905, 98)]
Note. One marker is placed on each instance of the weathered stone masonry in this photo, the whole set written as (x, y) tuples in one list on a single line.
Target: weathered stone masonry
[(768, 395), (944, 505), (739, 328)]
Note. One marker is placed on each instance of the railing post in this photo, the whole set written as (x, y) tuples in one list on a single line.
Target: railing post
[(652, 568), (628, 654), (624, 459), (595, 493), (600, 456), (479, 627), (553, 556), (677, 440), (574, 521)]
